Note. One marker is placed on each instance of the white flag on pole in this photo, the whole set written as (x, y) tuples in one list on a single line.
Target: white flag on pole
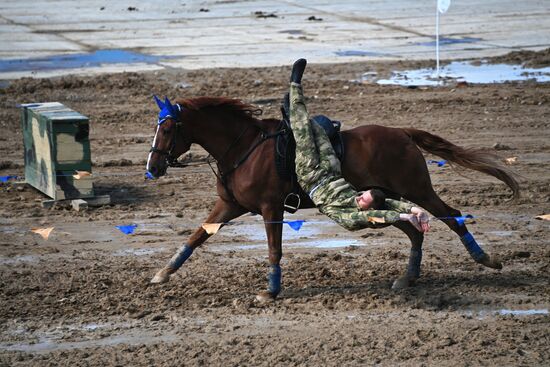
[(443, 5)]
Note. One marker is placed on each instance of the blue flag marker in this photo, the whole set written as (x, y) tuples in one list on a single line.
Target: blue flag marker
[(295, 225), (461, 220), (149, 175), (440, 163), (7, 178), (129, 229)]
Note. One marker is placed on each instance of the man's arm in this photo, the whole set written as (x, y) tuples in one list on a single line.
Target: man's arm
[(398, 206), (408, 212)]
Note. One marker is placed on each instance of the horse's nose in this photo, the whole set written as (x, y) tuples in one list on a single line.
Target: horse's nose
[(154, 171)]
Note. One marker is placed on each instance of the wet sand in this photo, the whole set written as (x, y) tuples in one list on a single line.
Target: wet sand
[(82, 298)]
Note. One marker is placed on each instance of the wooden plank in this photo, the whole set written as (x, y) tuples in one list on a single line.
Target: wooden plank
[(99, 200), (47, 204), (79, 205), (63, 194), (91, 201)]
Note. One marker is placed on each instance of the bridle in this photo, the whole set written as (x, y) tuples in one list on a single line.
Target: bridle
[(171, 159), (168, 154), (172, 112)]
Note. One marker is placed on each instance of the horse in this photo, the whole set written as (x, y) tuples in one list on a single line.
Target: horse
[(243, 147)]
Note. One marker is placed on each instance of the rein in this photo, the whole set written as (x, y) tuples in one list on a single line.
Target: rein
[(222, 176), (263, 137)]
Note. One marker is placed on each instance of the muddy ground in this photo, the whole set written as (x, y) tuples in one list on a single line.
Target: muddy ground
[(82, 297)]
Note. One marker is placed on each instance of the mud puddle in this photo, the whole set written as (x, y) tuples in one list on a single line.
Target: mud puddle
[(138, 251), (78, 336), (312, 234), (319, 244), (345, 53), (445, 41), (485, 313), (502, 233), (256, 231), (49, 344), (97, 58), (483, 73), (18, 259)]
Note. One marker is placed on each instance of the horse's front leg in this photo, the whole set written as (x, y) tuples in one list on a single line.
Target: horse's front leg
[(274, 229), (415, 259), (223, 211)]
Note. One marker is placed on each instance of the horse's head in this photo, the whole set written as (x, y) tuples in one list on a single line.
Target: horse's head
[(168, 144)]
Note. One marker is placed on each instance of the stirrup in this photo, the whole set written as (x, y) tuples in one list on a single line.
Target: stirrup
[(292, 202)]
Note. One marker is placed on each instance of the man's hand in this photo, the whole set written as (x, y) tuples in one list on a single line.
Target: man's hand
[(422, 217), (418, 218), (412, 219), (424, 220)]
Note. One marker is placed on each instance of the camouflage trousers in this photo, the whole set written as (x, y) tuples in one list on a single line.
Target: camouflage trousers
[(320, 175)]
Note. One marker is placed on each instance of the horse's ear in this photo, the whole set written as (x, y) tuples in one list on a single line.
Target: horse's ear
[(167, 102), (159, 102)]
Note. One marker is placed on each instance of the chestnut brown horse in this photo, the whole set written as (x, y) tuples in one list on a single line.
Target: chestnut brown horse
[(242, 145)]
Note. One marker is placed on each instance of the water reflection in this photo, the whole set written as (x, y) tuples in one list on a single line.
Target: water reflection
[(465, 72)]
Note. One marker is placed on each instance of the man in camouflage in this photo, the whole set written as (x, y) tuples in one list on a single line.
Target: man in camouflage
[(319, 174)]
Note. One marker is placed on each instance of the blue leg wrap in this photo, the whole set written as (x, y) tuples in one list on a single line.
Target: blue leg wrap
[(179, 258), (415, 259), (473, 248), (274, 279)]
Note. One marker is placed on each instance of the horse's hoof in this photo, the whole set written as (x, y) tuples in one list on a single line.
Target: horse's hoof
[(490, 263), (265, 297), (403, 282), (162, 276)]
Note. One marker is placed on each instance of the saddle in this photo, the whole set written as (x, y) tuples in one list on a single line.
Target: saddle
[(285, 145)]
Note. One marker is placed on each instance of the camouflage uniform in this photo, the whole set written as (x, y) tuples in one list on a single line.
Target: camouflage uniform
[(57, 144), (319, 174)]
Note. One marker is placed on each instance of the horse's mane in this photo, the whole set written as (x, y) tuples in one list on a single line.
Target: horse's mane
[(226, 105)]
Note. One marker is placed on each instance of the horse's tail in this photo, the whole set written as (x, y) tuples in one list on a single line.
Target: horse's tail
[(472, 158)]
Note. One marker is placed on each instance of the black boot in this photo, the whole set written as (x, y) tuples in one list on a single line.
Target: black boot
[(298, 70)]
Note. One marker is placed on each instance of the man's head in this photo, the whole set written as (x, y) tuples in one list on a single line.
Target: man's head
[(371, 199)]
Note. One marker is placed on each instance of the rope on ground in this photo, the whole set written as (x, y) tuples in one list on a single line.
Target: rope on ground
[(213, 228)]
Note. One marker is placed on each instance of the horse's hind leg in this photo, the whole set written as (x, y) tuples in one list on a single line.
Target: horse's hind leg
[(223, 211), (415, 258), (432, 203)]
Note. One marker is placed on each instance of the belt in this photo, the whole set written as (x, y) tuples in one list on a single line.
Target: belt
[(317, 186)]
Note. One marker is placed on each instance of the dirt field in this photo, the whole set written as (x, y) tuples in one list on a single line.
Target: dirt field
[(82, 298)]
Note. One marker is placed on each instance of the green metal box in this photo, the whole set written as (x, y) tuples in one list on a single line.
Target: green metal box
[(56, 146)]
